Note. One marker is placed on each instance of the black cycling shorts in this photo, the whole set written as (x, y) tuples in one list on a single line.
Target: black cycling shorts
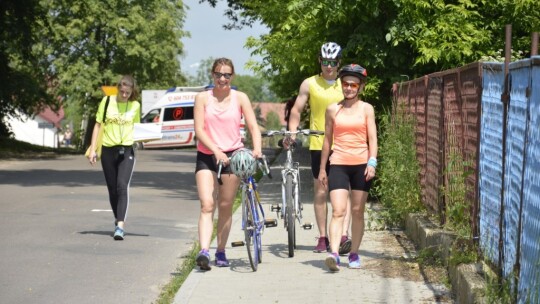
[(208, 162), (348, 176), (316, 163)]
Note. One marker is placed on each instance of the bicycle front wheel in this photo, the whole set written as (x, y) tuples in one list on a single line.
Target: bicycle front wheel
[(251, 234), (289, 214)]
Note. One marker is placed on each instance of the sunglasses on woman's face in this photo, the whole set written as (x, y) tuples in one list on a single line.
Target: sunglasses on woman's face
[(352, 85), (332, 63), (218, 75)]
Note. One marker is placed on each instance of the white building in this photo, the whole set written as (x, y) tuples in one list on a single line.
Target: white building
[(43, 129)]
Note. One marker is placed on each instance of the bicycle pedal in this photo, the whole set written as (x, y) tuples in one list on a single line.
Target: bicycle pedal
[(275, 208), (307, 226), (237, 244), (270, 223)]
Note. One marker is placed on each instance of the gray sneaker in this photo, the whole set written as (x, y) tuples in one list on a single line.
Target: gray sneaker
[(332, 262), (344, 245), (119, 234), (203, 260)]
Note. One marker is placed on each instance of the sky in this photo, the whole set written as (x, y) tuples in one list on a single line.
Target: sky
[(209, 39)]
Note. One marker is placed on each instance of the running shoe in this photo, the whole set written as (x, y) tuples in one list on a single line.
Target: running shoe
[(332, 262), (221, 259), (344, 245), (118, 234), (354, 261), (203, 260), (322, 244)]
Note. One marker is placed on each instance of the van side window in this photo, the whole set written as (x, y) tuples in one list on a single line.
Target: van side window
[(178, 113), (152, 116)]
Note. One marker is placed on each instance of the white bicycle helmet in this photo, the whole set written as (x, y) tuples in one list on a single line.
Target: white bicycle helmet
[(243, 163), (330, 50)]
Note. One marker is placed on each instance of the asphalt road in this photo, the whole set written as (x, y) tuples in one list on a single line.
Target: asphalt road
[(56, 227)]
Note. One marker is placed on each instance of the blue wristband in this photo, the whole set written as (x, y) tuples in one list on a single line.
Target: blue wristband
[(372, 162)]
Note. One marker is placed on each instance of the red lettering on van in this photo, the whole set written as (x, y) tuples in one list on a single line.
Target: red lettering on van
[(178, 113)]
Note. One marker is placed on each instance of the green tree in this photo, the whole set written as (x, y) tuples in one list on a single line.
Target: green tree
[(90, 43), (389, 38), (203, 76), (23, 86), (255, 87), (272, 123)]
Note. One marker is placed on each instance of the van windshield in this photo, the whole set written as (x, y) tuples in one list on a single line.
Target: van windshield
[(178, 113)]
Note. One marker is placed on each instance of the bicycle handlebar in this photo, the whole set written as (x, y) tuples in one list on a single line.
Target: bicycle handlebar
[(261, 162), (270, 133)]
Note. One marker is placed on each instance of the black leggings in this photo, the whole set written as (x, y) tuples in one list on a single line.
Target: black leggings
[(118, 170)]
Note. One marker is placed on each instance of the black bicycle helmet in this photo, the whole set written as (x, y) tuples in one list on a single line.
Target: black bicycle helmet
[(353, 70), (330, 50)]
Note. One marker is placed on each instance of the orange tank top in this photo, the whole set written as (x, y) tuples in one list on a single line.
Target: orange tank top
[(350, 138)]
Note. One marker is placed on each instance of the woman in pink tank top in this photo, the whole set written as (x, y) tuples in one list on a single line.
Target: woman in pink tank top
[(351, 133), (217, 117)]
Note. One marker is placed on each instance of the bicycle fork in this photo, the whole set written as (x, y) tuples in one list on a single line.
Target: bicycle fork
[(297, 209)]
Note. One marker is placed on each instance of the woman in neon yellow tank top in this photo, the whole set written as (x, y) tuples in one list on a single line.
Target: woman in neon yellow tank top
[(351, 132), (118, 160)]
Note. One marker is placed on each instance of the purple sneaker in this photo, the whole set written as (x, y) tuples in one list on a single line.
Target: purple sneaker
[(203, 260), (332, 262), (322, 244), (354, 261), (221, 259)]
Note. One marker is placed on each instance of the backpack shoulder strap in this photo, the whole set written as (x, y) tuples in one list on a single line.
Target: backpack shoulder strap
[(105, 110)]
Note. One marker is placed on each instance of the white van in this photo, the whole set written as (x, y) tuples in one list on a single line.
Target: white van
[(174, 113)]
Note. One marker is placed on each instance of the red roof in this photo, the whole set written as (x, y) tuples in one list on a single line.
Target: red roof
[(266, 107), (50, 116)]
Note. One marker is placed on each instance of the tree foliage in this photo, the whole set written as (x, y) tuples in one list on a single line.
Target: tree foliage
[(255, 87), (203, 76), (72, 48), (87, 44), (391, 38), (23, 85)]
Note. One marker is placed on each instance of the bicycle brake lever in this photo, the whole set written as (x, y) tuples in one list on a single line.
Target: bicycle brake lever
[(266, 168), (220, 166)]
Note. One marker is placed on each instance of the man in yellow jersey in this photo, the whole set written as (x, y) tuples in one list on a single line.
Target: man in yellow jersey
[(319, 91)]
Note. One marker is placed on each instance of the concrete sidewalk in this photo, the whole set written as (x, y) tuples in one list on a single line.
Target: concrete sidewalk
[(388, 274)]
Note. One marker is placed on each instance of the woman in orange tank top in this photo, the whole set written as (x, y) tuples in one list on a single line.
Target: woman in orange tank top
[(351, 133)]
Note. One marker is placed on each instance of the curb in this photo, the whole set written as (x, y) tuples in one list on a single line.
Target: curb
[(468, 283)]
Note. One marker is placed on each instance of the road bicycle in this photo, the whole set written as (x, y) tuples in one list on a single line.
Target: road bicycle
[(291, 207), (253, 217)]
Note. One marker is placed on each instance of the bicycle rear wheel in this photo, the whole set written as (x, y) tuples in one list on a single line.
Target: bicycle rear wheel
[(289, 214), (250, 232)]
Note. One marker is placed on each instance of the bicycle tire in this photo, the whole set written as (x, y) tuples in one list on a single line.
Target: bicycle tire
[(250, 232), (260, 224), (289, 214)]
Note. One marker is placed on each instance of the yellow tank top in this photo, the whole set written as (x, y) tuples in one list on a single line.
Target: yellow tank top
[(321, 94)]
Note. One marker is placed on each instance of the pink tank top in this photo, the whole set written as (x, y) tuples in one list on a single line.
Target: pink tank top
[(350, 139), (222, 125)]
